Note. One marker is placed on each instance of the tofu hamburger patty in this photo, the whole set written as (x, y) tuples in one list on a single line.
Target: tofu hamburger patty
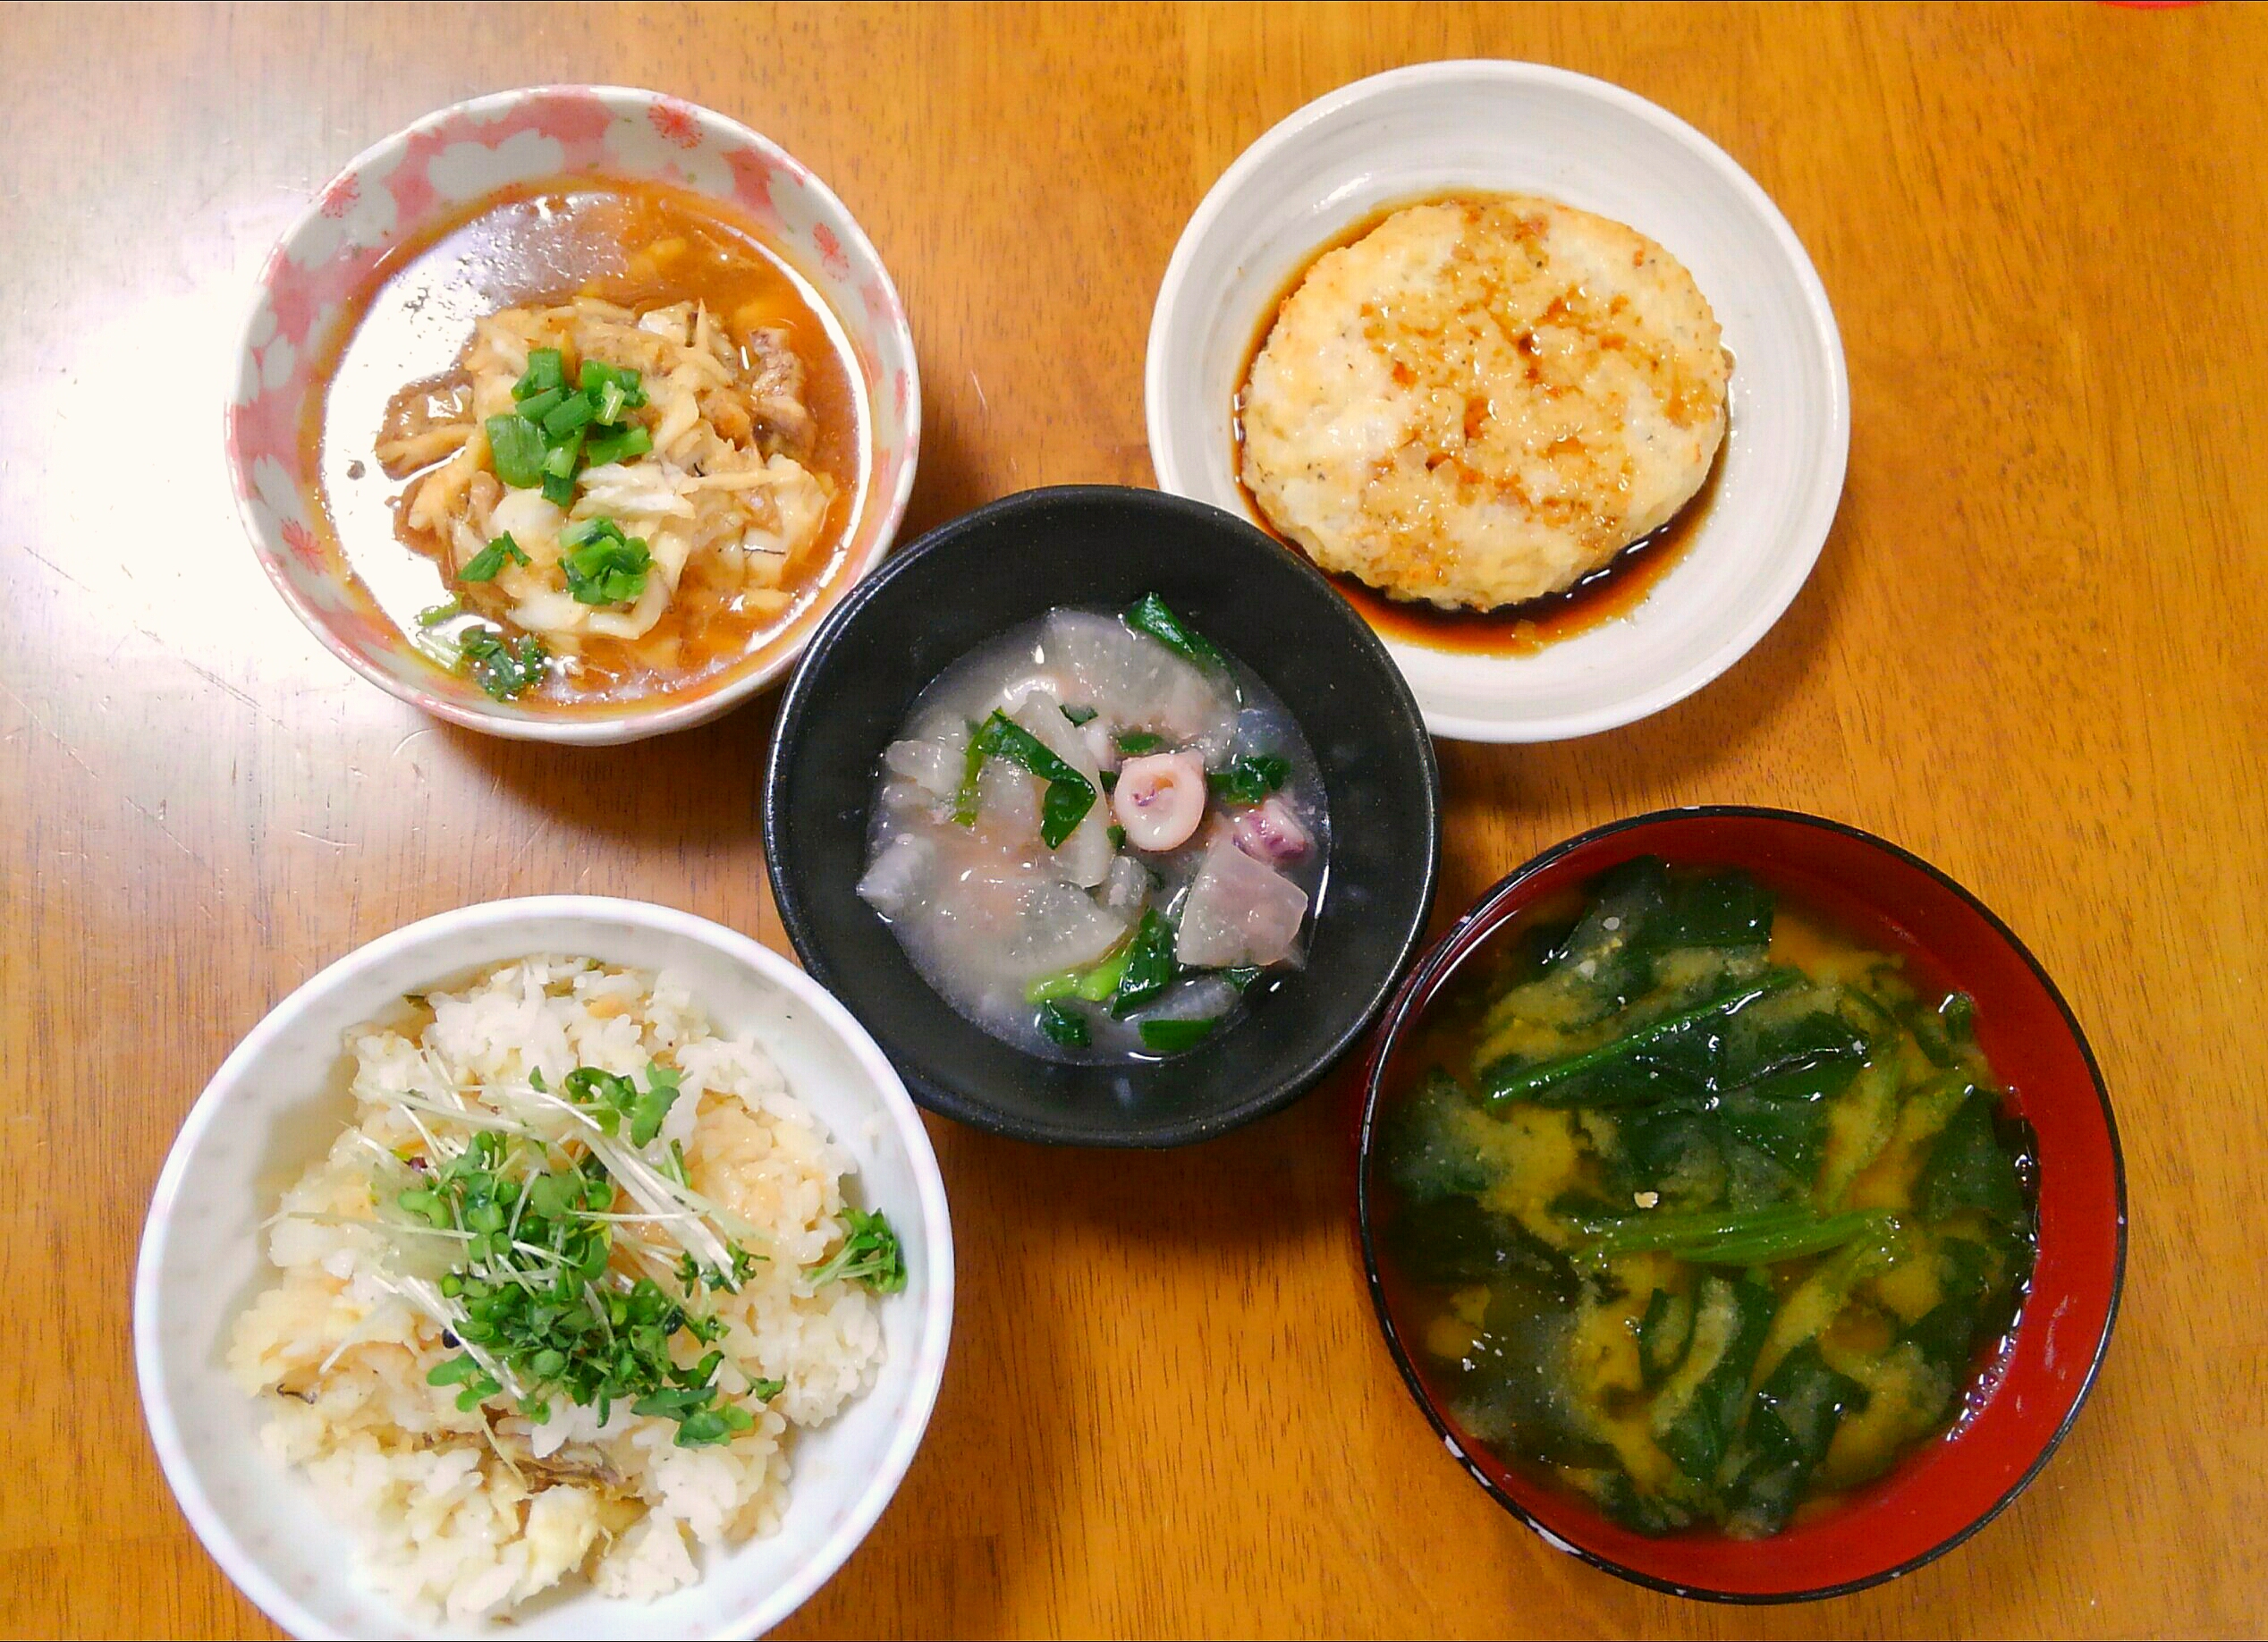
[(1484, 400)]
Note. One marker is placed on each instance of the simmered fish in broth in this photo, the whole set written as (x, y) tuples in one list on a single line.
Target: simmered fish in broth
[(619, 436)]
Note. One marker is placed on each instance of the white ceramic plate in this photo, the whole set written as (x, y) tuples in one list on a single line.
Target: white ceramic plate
[(1520, 126), (277, 1102)]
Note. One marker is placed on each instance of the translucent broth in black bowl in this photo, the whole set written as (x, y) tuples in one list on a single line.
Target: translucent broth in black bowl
[(973, 580)]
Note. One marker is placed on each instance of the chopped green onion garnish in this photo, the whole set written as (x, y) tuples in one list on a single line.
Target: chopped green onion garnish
[(575, 410), (484, 565), (434, 615), (1134, 743), (558, 430), (1079, 715), (603, 566), (516, 446), (546, 370), (612, 444), (538, 406), (503, 670), (597, 374), (559, 462)]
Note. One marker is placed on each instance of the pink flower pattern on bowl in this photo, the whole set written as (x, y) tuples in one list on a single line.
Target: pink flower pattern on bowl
[(403, 186)]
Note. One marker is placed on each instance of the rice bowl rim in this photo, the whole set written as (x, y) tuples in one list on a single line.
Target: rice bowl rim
[(249, 1574)]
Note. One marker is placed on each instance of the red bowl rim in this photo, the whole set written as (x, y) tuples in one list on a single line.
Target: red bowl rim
[(1475, 924)]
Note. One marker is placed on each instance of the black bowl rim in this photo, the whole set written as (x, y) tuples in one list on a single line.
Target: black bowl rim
[(1450, 946), (1400, 705)]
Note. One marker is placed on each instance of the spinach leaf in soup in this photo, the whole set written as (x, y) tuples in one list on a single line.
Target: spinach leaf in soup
[(1150, 967), (1976, 1279), (1432, 1142), (1068, 797), (1606, 954), (1664, 1335), (1619, 1501), (1695, 1422), (1456, 1240), (1248, 780), (1674, 1054), (1499, 1395), (1970, 1169), (1151, 614), (1790, 1423), (1726, 910)]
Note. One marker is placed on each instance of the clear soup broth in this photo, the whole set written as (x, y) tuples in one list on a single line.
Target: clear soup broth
[(1098, 844)]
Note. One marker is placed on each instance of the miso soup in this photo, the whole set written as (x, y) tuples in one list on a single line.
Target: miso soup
[(1705, 1210)]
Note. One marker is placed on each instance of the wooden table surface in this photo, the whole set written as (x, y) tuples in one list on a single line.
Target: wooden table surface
[(2033, 652)]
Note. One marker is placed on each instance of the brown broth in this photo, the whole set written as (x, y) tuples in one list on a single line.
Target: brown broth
[(1607, 593), (641, 245)]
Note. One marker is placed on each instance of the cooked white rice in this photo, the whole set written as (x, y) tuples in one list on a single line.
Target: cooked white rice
[(463, 1514)]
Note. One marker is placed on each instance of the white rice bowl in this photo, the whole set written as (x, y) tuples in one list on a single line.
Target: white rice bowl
[(368, 1503), (465, 1514)]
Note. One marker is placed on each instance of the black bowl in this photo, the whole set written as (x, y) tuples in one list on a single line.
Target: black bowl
[(1102, 547)]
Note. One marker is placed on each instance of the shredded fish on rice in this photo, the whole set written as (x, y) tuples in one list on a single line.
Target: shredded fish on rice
[(464, 1513)]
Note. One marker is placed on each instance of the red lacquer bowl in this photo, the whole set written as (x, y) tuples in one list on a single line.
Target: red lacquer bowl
[(2028, 1397)]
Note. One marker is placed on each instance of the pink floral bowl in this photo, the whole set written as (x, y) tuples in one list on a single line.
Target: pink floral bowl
[(432, 172)]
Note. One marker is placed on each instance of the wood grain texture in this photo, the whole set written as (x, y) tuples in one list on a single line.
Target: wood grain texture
[(2033, 652)]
